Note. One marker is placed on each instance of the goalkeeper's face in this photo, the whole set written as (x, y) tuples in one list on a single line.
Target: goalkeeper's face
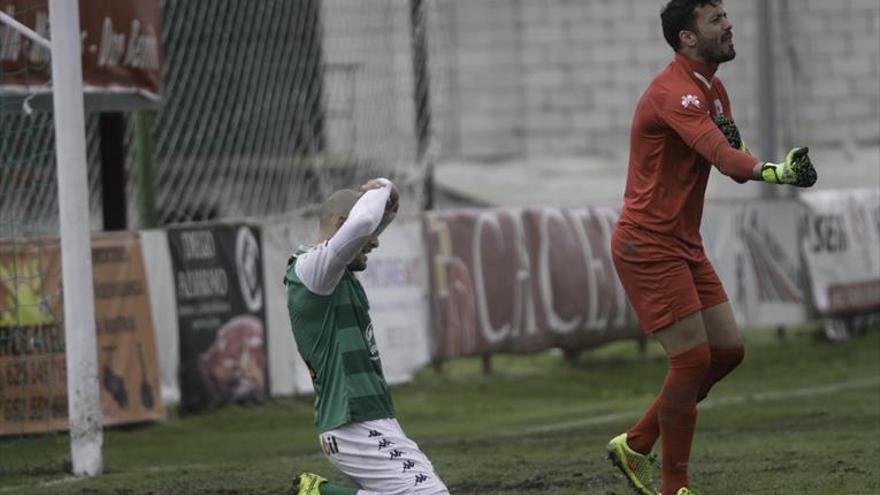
[(714, 33), (359, 263)]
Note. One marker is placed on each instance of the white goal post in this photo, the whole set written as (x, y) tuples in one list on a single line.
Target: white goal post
[(83, 400)]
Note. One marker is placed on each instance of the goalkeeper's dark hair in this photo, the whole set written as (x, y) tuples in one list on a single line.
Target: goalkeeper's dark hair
[(678, 16)]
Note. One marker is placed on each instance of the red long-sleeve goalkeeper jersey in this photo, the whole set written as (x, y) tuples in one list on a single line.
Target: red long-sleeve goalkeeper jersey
[(673, 143)]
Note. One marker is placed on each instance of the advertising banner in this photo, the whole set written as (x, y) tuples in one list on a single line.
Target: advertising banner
[(841, 246), (218, 276), (33, 388), (396, 285), (121, 58), (523, 280), (755, 250)]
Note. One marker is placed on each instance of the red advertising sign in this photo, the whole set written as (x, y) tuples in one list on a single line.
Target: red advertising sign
[(523, 280), (121, 56)]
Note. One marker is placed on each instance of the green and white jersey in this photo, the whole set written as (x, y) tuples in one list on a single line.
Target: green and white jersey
[(329, 314)]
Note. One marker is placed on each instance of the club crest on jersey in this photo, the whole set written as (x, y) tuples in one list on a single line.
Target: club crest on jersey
[(688, 100), (371, 342)]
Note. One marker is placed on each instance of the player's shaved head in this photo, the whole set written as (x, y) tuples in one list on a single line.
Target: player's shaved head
[(335, 206)]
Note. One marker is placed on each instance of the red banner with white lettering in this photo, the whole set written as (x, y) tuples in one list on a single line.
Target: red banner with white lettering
[(524, 280)]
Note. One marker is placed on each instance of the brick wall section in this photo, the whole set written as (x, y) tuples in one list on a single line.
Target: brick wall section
[(526, 78), (368, 80)]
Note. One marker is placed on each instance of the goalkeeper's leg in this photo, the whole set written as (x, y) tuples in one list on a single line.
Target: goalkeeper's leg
[(688, 351), (725, 345)]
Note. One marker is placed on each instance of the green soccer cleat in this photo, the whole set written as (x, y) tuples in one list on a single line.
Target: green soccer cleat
[(639, 469), (307, 484)]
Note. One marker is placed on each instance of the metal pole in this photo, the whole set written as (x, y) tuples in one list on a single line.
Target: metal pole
[(24, 30), (422, 95), (83, 401), (766, 86), (142, 121)]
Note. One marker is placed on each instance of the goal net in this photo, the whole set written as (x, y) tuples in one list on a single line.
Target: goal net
[(266, 109)]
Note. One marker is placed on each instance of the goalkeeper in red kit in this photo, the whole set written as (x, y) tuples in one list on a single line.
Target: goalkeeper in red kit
[(682, 127)]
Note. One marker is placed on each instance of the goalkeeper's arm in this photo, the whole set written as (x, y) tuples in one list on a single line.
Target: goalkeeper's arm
[(796, 170)]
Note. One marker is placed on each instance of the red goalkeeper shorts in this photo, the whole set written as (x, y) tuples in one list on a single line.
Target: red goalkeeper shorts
[(664, 287)]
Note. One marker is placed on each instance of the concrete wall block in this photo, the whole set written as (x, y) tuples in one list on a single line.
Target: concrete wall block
[(806, 26), (536, 11), (866, 47), (593, 121), (626, 31), (610, 9), (588, 76), (849, 23), (867, 86), (614, 53), (547, 121), (835, 43), (854, 109), (492, 146), (545, 76), (817, 112), (867, 133), (589, 31), (831, 88), (855, 66)]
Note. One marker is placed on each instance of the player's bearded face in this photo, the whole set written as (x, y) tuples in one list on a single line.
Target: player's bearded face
[(359, 263), (714, 35)]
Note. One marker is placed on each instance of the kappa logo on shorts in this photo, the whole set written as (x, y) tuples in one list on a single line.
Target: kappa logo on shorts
[(421, 478), (407, 465), (329, 445), (384, 443), (374, 433), (395, 454)]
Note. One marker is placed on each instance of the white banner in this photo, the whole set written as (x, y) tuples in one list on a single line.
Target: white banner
[(396, 285), (288, 374), (163, 305), (841, 246), (754, 249)]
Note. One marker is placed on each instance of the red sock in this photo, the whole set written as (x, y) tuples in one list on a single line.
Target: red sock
[(645, 433), (724, 360), (677, 413)]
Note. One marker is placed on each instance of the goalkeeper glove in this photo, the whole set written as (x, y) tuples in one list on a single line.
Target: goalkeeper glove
[(731, 132), (796, 170)]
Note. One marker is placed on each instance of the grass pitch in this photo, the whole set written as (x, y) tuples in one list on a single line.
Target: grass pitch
[(801, 416)]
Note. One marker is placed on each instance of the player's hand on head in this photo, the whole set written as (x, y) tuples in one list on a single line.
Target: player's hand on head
[(371, 184)]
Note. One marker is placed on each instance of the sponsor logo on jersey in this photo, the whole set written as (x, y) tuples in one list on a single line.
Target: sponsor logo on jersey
[(688, 100), (371, 342), (719, 108)]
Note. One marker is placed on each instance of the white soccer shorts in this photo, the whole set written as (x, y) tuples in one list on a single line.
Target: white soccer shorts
[(379, 458)]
